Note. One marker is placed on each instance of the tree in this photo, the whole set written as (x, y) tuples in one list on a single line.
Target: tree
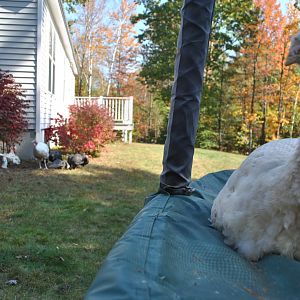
[(87, 129), (88, 36), (287, 82), (263, 86), (230, 29), (122, 47), (71, 4), (162, 22), (12, 111), (159, 38)]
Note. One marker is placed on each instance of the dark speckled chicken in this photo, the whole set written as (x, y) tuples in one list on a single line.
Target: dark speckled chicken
[(77, 160)]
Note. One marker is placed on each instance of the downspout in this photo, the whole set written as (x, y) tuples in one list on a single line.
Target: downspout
[(38, 75)]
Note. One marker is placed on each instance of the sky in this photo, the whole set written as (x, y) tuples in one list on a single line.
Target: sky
[(283, 4)]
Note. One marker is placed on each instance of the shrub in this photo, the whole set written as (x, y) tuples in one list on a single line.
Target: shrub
[(88, 128), (12, 111)]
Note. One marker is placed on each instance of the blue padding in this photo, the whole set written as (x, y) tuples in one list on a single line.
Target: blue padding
[(170, 251)]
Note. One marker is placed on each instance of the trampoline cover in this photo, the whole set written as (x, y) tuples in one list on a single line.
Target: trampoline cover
[(170, 251)]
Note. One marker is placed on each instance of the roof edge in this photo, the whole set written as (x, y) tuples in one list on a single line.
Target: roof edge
[(59, 17)]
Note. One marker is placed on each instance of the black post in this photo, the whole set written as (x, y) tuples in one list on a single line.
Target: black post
[(192, 47)]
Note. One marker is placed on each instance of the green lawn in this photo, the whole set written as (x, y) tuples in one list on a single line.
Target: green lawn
[(57, 226)]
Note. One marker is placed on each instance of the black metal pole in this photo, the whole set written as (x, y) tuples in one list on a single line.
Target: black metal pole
[(192, 47)]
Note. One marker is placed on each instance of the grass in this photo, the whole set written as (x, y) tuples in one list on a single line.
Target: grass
[(57, 226)]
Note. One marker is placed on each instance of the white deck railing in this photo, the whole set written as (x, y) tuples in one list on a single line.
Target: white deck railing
[(120, 109)]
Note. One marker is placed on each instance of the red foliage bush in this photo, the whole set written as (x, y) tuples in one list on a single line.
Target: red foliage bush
[(12, 111), (88, 128)]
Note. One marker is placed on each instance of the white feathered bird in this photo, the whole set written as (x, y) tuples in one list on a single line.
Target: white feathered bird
[(13, 158), (3, 161), (41, 152), (10, 157), (294, 51), (258, 210)]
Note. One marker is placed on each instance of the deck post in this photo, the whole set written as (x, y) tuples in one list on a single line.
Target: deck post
[(131, 108), (130, 137), (125, 136)]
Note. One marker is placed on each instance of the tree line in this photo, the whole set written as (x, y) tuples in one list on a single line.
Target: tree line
[(249, 95)]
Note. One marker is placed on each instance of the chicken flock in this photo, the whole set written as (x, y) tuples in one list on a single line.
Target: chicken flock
[(43, 154)]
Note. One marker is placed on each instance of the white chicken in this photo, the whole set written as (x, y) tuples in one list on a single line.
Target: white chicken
[(10, 157), (258, 210), (294, 51), (41, 152), (3, 161), (13, 158)]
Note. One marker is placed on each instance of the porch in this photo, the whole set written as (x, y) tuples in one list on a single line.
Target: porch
[(121, 110)]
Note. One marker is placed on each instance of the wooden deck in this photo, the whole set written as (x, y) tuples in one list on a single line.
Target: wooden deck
[(121, 110)]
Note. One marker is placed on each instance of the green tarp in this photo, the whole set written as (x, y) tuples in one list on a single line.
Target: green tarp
[(170, 251)]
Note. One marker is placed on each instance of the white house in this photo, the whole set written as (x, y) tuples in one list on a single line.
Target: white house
[(35, 46)]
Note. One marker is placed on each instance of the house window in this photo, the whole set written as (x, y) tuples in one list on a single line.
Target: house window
[(51, 79)]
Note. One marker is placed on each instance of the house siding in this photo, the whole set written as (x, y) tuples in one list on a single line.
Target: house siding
[(51, 104), (18, 44), (24, 52), (46, 99)]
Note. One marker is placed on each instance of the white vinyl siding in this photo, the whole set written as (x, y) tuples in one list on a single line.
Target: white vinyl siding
[(18, 55), (46, 99), (61, 78), (18, 43)]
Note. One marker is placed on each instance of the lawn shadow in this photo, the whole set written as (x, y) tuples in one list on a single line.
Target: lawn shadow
[(57, 226)]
